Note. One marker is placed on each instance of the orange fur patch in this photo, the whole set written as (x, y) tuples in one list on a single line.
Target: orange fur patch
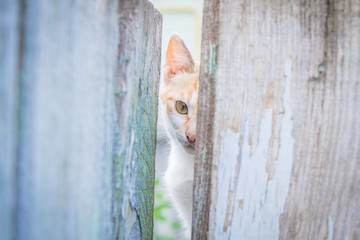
[(196, 83), (186, 122), (168, 109)]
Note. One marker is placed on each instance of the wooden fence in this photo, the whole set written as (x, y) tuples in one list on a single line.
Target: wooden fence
[(278, 155), (78, 110), (278, 134)]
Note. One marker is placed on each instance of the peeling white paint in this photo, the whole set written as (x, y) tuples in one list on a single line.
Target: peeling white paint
[(226, 174), (242, 173), (330, 229)]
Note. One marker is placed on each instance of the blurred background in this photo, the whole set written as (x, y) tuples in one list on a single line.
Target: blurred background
[(185, 18)]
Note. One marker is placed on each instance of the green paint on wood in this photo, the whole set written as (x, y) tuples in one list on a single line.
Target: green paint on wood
[(138, 76), (121, 93), (143, 172), (212, 61)]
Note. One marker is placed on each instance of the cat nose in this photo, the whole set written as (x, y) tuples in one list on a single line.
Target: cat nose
[(191, 137)]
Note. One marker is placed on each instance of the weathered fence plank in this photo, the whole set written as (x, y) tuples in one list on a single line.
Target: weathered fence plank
[(78, 114), (286, 128), (137, 89), (206, 118)]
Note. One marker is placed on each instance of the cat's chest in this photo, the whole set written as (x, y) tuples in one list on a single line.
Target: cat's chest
[(181, 166)]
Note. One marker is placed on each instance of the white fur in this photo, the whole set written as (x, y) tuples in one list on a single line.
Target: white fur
[(179, 179)]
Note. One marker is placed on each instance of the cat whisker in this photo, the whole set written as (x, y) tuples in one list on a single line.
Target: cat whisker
[(181, 138)]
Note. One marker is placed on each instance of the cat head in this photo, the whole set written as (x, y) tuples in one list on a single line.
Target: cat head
[(179, 93)]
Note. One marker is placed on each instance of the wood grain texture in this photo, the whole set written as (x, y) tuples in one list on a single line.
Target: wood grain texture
[(204, 143), (75, 163), (137, 89), (286, 131)]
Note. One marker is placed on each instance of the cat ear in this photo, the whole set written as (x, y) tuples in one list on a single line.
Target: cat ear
[(178, 58)]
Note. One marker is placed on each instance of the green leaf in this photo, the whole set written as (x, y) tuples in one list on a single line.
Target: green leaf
[(157, 180), (159, 195), (159, 217), (176, 225), (162, 206), (163, 238)]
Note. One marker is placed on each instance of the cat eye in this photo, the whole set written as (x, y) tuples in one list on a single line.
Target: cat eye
[(181, 107)]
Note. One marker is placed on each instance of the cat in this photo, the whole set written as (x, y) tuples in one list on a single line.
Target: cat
[(178, 112)]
